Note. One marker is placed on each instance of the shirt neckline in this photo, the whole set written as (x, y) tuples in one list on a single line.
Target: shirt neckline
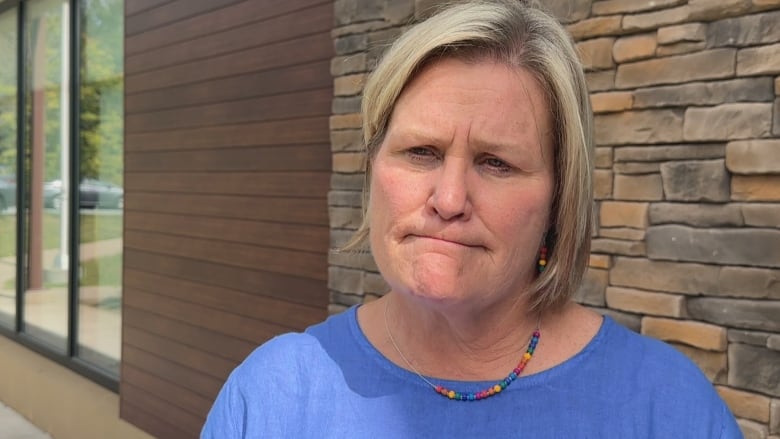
[(522, 382)]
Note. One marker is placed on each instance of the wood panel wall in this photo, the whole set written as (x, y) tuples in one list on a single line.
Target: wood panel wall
[(227, 163)]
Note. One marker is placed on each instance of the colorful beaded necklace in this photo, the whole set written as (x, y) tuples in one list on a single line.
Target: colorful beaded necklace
[(495, 389)]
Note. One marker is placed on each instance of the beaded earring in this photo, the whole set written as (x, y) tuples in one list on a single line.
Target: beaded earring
[(542, 258)]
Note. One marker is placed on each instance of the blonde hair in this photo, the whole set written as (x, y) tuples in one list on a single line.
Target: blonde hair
[(519, 34)]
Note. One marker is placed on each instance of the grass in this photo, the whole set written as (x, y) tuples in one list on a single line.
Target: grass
[(103, 271), (93, 228)]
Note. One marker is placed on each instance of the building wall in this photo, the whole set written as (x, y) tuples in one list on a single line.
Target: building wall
[(227, 171), (687, 180)]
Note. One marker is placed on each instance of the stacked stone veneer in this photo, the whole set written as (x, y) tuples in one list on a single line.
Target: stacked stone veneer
[(687, 240)]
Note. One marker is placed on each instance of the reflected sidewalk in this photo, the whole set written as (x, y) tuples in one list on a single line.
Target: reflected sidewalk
[(15, 426)]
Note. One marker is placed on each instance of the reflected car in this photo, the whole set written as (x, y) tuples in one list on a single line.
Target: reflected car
[(92, 194), (7, 192)]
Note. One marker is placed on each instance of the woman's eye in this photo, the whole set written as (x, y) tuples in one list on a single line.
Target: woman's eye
[(496, 164), (421, 153)]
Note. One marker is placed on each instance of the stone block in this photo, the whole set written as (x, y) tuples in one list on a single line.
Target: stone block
[(359, 28), (611, 102), (706, 93), (600, 81), (375, 283), (776, 118), (349, 162), (762, 5), (759, 60), (773, 342), (777, 87), (350, 44), (748, 30), (568, 11), (630, 321), (728, 121), (696, 215), (696, 334), (637, 127), (654, 20), (618, 247), (646, 187), (637, 168), (757, 247), (343, 65), (358, 260), (623, 214), (752, 430), (349, 182), (596, 54), (713, 364), (685, 278), (602, 184), (737, 313), (345, 217), (709, 64), (345, 198), (345, 299), (345, 105), (774, 416), (634, 48), (704, 180), (710, 10), (425, 8), (644, 302), (761, 214), (748, 337), (595, 27), (624, 233), (345, 280), (745, 404), (346, 140), (349, 85), (600, 261), (753, 156), (682, 33), (356, 11), (603, 157), (608, 7), (591, 292), (680, 48), (345, 121), (755, 188), (669, 152), (754, 368)]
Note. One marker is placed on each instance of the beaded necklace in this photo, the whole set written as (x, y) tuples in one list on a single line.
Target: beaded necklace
[(495, 389)]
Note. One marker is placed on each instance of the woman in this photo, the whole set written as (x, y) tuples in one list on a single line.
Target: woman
[(477, 209)]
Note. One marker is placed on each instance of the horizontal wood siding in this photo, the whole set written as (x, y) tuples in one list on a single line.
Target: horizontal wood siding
[(227, 168)]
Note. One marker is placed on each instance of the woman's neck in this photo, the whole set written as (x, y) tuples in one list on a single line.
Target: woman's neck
[(457, 342)]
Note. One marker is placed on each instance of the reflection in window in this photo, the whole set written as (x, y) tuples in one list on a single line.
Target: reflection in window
[(8, 84), (47, 148), (101, 192)]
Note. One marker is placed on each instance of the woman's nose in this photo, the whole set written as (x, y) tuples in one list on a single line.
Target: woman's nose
[(451, 197)]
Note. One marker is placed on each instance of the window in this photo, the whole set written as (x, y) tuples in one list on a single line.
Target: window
[(68, 301)]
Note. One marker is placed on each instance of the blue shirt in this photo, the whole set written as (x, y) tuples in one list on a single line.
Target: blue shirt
[(330, 382)]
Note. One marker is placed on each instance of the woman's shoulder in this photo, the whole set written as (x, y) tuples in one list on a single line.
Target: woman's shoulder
[(294, 350)]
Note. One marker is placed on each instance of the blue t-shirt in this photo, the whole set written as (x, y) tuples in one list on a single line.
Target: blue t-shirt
[(330, 382)]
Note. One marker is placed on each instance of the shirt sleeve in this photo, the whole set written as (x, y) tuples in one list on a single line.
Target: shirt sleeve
[(227, 417), (731, 429)]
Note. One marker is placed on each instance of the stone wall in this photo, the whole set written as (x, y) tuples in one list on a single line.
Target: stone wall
[(687, 243)]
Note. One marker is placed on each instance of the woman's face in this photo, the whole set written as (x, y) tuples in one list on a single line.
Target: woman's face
[(462, 184)]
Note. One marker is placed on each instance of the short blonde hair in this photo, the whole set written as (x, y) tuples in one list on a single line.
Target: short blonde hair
[(519, 34)]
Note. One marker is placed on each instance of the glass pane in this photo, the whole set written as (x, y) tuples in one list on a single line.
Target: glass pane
[(46, 143), (8, 81), (101, 171)]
